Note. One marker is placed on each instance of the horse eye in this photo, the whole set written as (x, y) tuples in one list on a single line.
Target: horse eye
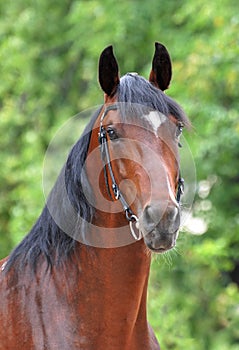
[(112, 134), (179, 130)]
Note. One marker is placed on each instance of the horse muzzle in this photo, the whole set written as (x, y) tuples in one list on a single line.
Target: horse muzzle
[(159, 225)]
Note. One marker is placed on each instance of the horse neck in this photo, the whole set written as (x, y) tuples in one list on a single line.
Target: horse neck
[(113, 283), (116, 271), (113, 280)]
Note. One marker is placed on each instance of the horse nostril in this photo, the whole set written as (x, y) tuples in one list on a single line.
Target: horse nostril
[(147, 211), (150, 218), (172, 213), (152, 215)]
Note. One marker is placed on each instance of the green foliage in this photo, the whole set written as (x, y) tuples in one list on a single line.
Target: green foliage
[(48, 63)]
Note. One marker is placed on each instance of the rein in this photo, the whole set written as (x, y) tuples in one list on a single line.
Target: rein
[(105, 156)]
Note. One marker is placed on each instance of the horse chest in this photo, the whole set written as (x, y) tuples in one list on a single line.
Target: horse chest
[(70, 311)]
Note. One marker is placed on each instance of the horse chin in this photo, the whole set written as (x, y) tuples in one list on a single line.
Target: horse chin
[(160, 242), (158, 250)]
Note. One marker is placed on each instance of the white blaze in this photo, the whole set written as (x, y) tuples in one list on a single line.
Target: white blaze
[(156, 119)]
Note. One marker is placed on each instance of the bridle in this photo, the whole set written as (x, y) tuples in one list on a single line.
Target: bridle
[(105, 156)]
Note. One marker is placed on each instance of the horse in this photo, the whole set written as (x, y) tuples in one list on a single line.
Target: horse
[(79, 278)]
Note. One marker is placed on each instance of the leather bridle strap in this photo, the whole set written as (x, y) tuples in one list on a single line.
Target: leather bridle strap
[(130, 216), (180, 190)]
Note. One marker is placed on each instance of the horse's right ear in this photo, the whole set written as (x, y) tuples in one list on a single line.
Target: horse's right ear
[(108, 71)]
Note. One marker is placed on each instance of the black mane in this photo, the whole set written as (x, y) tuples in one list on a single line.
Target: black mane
[(46, 238)]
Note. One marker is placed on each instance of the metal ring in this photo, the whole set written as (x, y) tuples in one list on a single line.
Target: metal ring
[(133, 218), (136, 237)]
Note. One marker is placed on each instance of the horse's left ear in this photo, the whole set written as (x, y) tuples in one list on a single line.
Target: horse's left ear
[(108, 71), (161, 72)]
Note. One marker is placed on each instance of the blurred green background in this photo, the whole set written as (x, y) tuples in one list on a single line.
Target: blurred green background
[(48, 62)]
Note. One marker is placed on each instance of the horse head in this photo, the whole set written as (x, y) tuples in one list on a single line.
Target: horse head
[(138, 130)]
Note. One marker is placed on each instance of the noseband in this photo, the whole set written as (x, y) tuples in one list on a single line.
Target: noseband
[(105, 156)]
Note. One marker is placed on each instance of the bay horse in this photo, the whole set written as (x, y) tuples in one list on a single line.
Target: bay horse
[(79, 279)]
